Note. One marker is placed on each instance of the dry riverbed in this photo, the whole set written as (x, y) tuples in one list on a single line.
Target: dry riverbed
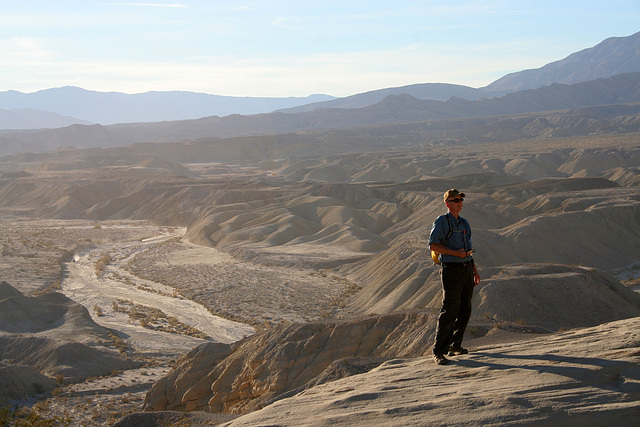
[(161, 294)]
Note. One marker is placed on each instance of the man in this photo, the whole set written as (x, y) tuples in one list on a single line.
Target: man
[(451, 237)]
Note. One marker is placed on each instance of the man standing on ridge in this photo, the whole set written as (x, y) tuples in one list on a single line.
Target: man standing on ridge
[(451, 237)]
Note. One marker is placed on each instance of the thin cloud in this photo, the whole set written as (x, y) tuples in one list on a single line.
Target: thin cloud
[(338, 74), (151, 4), (286, 23), (23, 48)]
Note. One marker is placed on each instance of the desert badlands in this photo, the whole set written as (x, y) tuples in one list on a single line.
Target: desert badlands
[(297, 290)]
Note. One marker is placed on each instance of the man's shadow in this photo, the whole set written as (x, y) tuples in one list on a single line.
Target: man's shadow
[(612, 375)]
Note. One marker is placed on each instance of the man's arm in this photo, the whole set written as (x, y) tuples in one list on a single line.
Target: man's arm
[(442, 249), (476, 276)]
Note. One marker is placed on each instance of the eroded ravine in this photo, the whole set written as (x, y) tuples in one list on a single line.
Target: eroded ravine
[(102, 290)]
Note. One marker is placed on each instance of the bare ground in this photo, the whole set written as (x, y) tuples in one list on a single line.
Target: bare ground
[(241, 290), (169, 274), (118, 267)]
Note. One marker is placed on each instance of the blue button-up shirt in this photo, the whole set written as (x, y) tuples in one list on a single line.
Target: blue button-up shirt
[(460, 237)]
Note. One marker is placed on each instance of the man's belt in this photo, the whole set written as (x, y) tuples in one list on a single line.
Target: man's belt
[(458, 264)]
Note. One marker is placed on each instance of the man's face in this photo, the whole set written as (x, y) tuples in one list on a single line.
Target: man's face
[(455, 204)]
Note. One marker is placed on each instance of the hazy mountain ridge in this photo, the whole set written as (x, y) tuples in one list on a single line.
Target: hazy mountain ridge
[(115, 107), (435, 91), (28, 118), (456, 118), (615, 55)]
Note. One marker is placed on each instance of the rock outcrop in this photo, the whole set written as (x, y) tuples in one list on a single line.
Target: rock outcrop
[(284, 358), (580, 377), (188, 385)]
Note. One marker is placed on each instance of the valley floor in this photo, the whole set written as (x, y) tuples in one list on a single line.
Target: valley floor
[(110, 269)]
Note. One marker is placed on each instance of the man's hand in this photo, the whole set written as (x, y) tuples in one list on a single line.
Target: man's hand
[(461, 253)]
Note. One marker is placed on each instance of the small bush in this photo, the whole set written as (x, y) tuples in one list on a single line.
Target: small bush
[(98, 311), (102, 263)]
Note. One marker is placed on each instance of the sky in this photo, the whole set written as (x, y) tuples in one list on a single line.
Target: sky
[(272, 48)]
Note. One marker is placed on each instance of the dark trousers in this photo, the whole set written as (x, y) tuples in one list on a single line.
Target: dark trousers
[(457, 288)]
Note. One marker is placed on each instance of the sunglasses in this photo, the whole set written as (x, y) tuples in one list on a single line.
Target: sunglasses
[(455, 200)]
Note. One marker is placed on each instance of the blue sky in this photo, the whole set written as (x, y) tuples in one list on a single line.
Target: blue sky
[(292, 48)]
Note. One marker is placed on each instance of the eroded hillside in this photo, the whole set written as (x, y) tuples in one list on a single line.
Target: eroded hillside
[(312, 243)]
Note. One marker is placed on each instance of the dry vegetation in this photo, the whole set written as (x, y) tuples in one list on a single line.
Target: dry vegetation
[(259, 295), (96, 402), (155, 319)]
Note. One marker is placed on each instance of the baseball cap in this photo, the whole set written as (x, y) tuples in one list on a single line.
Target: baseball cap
[(452, 194)]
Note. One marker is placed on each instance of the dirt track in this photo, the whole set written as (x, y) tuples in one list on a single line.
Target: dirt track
[(95, 289)]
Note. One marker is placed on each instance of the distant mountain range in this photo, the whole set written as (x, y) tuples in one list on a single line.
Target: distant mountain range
[(435, 91), (611, 57), (114, 107), (456, 113), (26, 118), (615, 55)]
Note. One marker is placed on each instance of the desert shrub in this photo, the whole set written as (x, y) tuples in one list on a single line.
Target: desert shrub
[(27, 417), (102, 263), (5, 415), (98, 311), (118, 342), (631, 282), (59, 378)]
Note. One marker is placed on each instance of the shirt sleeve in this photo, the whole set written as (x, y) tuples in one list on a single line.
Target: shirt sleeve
[(468, 233), (437, 231)]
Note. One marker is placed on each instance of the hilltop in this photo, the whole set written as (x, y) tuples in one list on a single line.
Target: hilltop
[(573, 378)]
